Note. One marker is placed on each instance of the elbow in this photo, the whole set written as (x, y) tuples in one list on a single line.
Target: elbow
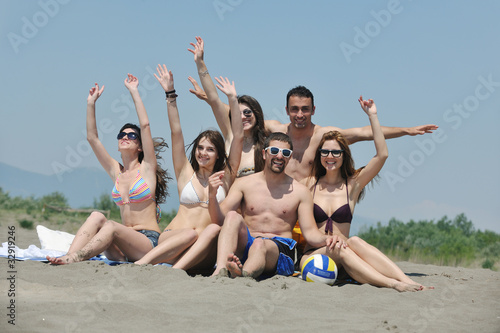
[(92, 139), (145, 126), (383, 155)]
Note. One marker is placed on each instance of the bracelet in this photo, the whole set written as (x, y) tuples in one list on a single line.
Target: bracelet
[(203, 73), (170, 93), (172, 101)]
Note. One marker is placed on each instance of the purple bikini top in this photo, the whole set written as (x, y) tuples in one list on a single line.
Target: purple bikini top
[(341, 215)]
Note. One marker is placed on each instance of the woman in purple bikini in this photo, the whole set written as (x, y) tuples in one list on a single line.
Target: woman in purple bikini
[(140, 185), (336, 187)]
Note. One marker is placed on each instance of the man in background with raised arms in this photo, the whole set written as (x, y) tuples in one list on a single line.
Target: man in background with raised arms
[(306, 136)]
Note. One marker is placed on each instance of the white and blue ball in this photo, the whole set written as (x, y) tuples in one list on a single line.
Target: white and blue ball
[(319, 268)]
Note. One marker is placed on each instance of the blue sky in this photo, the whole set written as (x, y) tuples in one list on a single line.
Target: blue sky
[(421, 61)]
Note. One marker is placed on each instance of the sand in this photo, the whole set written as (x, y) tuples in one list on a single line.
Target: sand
[(94, 297)]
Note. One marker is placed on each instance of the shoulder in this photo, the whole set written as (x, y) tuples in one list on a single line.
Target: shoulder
[(275, 126), (243, 182), (320, 130), (300, 189)]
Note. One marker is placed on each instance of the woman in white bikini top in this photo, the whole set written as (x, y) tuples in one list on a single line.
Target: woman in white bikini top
[(190, 239)]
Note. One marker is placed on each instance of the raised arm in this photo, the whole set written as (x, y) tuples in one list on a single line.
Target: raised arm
[(236, 124), (108, 163), (365, 133), (148, 148), (179, 158), (219, 109), (377, 162)]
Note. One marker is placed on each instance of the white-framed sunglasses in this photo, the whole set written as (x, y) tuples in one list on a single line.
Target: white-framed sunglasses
[(275, 150)]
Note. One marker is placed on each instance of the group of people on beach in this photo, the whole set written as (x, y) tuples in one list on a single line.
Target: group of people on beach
[(242, 191)]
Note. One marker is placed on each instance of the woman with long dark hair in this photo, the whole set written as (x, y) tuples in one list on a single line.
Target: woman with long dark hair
[(140, 185), (250, 111), (190, 240)]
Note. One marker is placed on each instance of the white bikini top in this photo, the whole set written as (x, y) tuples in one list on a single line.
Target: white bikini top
[(190, 197)]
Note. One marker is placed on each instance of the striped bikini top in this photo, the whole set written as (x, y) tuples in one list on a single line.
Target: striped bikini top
[(139, 191)]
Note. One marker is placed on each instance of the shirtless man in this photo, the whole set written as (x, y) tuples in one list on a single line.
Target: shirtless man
[(259, 241), (306, 136)]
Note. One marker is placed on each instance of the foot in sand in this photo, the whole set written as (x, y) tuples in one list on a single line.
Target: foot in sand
[(401, 287), (66, 259), (234, 266)]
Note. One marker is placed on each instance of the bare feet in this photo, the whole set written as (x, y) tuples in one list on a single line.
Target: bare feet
[(234, 266), (221, 273), (401, 287), (66, 259)]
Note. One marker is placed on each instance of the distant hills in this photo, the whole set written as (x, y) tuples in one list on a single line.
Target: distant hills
[(79, 186), (82, 185)]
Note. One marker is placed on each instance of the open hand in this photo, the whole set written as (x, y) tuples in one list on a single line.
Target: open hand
[(165, 77), (225, 86), (197, 91), (197, 49)]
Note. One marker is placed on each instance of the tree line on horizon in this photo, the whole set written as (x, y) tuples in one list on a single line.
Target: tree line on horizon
[(450, 242)]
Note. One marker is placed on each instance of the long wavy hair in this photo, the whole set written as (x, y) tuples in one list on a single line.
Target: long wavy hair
[(347, 170), (218, 141), (162, 176), (259, 132)]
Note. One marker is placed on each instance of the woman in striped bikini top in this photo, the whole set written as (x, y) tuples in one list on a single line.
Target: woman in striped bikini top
[(138, 233)]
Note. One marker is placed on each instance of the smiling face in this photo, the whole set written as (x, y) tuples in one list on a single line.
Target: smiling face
[(206, 153), (329, 162), (247, 117), (300, 110), (276, 163)]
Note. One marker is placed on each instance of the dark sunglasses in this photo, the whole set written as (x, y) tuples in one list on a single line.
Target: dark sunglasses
[(130, 135), (275, 150), (247, 112), (335, 152)]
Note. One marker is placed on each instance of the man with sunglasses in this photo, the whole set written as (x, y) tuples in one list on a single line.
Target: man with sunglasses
[(305, 135), (259, 241)]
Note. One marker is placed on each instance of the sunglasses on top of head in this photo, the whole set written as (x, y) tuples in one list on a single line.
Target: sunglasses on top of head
[(129, 135), (335, 152), (275, 150)]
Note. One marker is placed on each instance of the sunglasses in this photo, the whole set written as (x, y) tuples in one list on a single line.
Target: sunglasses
[(275, 150), (335, 152), (247, 112), (130, 135)]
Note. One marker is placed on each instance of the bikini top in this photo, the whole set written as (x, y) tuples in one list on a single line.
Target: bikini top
[(139, 191), (341, 215), (245, 172), (190, 197)]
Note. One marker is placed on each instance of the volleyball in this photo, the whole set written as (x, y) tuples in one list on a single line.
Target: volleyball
[(319, 268)]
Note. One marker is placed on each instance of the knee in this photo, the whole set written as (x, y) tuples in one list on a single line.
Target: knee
[(356, 242), (258, 245), (97, 219), (233, 220), (212, 230)]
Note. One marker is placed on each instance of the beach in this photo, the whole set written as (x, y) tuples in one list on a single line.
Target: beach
[(94, 296)]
